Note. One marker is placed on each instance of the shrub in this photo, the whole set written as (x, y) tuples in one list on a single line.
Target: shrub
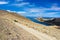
[(15, 21)]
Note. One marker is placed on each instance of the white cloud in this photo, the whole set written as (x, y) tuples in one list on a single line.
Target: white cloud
[(18, 0), (54, 7), (52, 13), (35, 15), (21, 4), (38, 11), (42, 11), (11, 11), (3, 2), (34, 10), (21, 12)]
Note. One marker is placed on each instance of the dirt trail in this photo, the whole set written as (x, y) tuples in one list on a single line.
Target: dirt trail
[(39, 35)]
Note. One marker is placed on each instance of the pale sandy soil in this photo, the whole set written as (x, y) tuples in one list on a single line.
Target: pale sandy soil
[(51, 31), (10, 31), (36, 33)]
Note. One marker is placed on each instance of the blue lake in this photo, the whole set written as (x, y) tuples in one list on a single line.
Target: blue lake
[(36, 21)]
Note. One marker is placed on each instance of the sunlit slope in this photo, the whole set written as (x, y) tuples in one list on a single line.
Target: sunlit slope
[(10, 31), (13, 17)]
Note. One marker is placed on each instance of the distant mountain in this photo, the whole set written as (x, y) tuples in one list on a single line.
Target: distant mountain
[(50, 20)]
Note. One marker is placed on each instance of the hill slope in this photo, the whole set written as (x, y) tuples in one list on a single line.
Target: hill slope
[(10, 31)]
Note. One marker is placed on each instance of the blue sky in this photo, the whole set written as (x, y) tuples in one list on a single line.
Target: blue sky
[(32, 8)]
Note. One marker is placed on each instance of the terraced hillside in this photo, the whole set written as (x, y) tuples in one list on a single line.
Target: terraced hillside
[(11, 31)]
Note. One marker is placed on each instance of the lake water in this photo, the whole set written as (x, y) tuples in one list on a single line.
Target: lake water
[(36, 21)]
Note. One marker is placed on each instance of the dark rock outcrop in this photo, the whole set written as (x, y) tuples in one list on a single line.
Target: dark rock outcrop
[(55, 21)]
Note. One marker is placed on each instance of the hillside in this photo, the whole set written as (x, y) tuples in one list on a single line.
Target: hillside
[(10, 30)]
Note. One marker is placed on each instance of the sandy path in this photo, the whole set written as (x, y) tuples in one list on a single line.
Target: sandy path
[(39, 35)]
